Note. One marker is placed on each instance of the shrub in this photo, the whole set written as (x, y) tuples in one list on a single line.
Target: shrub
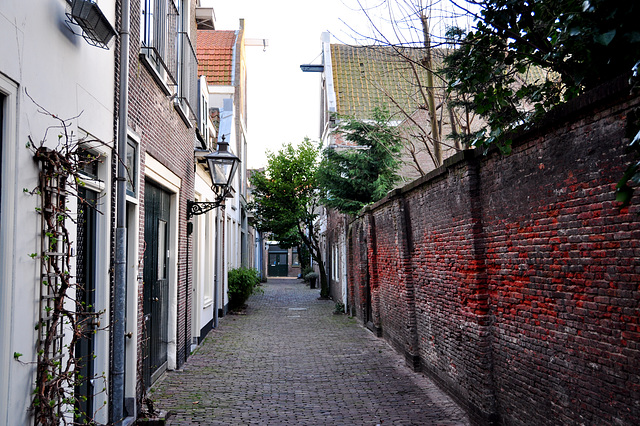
[(306, 271), (311, 275), (243, 283)]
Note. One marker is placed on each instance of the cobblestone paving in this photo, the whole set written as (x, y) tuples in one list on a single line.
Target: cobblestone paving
[(290, 361)]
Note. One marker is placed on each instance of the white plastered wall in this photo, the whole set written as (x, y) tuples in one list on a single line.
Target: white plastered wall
[(203, 240), (44, 61)]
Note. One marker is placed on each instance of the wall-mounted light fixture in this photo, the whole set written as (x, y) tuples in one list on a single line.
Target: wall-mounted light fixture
[(222, 166), (312, 68)]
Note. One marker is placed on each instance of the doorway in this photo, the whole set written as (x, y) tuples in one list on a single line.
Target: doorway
[(156, 281), (278, 262)]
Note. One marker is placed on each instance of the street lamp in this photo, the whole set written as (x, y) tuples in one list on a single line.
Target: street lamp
[(222, 167)]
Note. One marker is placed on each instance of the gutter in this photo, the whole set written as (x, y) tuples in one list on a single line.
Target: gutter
[(119, 291)]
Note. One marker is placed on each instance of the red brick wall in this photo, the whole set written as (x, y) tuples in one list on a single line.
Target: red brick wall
[(514, 281), (166, 137)]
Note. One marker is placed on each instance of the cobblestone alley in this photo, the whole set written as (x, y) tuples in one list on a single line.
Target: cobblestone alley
[(289, 360)]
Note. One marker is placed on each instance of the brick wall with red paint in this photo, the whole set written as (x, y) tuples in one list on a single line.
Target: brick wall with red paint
[(514, 281)]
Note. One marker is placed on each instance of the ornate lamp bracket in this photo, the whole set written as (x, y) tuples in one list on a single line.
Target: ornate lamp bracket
[(196, 208)]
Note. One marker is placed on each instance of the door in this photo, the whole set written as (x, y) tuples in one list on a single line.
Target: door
[(156, 282), (278, 264), (85, 299)]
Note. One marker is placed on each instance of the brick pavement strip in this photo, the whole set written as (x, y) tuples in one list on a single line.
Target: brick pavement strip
[(290, 361)]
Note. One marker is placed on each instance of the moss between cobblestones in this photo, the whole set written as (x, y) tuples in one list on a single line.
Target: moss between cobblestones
[(276, 365)]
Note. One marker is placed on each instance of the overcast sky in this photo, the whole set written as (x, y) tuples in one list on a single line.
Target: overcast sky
[(283, 102)]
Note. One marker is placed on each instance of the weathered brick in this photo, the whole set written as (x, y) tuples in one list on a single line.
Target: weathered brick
[(520, 285)]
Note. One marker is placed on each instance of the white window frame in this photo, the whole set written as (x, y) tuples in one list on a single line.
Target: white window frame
[(8, 127)]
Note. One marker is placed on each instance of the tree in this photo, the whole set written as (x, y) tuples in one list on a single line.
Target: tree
[(365, 171), (408, 34), (286, 201), (524, 57)]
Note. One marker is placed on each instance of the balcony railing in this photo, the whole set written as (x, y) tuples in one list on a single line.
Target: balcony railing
[(160, 41), (188, 84)]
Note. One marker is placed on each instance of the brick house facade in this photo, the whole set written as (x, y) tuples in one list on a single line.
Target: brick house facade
[(161, 126)]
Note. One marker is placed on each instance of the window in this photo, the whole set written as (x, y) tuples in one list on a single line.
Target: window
[(187, 74), (187, 66), (335, 257), (8, 220), (132, 167), (159, 23), (295, 260), (88, 163), (162, 259), (203, 111), (209, 241), (167, 52)]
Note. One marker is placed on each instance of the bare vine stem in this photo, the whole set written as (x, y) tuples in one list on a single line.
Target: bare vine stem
[(63, 319)]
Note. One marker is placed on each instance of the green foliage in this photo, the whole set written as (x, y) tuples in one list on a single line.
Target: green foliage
[(306, 271), (631, 176), (303, 255), (524, 57), (285, 200), (310, 275), (351, 178), (243, 282), (284, 193)]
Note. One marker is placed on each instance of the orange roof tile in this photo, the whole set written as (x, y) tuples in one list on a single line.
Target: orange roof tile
[(214, 50)]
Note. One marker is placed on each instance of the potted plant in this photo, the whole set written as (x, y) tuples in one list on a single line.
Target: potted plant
[(311, 277), (96, 27), (243, 282)]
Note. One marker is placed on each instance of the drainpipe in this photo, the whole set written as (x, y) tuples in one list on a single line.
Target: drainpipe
[(119, 303)]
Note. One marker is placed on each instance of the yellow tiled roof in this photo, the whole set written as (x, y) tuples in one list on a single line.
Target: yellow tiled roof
[(366, 77)]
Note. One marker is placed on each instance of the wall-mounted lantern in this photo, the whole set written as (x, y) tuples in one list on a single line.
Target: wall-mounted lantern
[(312, 68), (222, 166)]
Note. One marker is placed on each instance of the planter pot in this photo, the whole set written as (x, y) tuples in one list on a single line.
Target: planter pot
[(312, 282), (96, 27)]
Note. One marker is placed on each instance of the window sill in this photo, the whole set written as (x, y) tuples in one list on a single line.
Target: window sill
[(92, 183), (182, 112), (151, 66), (207, 302)]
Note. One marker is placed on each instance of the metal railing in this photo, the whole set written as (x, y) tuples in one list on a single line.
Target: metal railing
[(188, 82), (159, 31)]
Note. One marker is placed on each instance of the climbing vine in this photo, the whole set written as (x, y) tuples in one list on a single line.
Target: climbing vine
[(64, 318)]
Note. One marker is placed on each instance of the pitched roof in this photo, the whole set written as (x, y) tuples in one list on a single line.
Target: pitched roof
[(366, 77), (215, 56)]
